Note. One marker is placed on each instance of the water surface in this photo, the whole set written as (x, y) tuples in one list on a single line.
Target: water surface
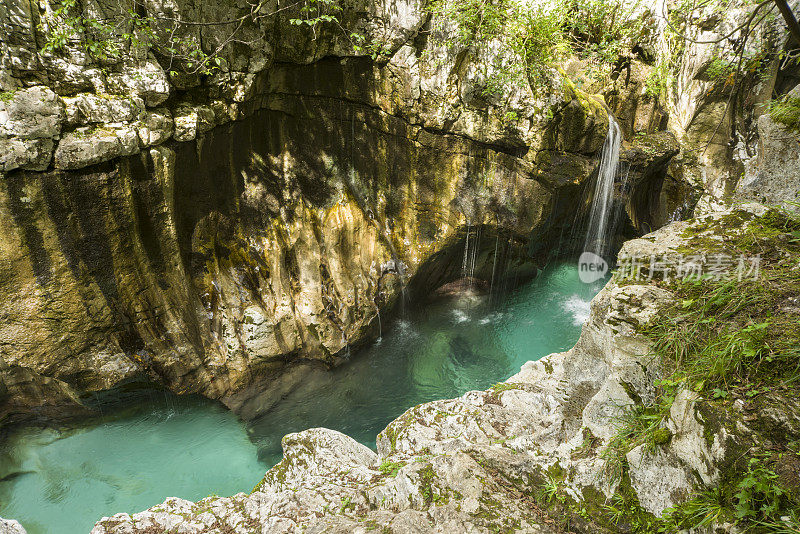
[(63, 481)]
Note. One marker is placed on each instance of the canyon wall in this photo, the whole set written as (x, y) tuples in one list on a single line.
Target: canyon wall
[(206, 232)]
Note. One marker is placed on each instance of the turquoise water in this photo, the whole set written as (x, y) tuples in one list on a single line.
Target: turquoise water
[(62, 482), (168, 446)]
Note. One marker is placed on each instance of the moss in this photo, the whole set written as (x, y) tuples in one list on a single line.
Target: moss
[(495, 516), (632, 516), (589, 446), (392, 432), (391, 468), (494, 394), (430, 495), (631, 392), (661, 436)]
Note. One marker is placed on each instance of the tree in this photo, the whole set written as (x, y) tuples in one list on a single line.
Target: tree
[(789, 18)]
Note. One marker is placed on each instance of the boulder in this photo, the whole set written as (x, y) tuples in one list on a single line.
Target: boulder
[(9, 526), (33, 113), (89, 146), (29, 154)]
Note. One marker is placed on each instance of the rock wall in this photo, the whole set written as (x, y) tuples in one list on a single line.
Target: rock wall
[(716, 117), (203, 232)]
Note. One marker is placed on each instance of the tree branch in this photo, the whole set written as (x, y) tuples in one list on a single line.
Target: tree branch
[(789, 18)]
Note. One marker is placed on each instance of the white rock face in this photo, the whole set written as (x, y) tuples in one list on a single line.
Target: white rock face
[(9, 526), (155, 127)]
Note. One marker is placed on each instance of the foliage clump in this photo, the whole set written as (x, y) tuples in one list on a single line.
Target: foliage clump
[(525, 41), (786, 110)]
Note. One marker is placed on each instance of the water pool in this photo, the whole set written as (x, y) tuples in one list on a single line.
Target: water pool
[(62, 481)]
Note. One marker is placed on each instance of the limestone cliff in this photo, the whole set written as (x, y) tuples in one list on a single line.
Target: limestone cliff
[(212, 232), (207, 231)]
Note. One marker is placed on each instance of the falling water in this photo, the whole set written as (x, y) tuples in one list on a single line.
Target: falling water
[(466, 253), (380, 327), (599, 217), (494, 265)]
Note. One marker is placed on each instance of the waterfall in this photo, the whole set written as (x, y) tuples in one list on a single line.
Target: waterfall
[(599, 217), (380, 327), (466, 253)]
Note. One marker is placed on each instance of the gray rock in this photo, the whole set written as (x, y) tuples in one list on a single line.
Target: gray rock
[(88, 146), (185, 123), (94, 109), (773, 178), (146, 79), (33, 113), (191, 120), (29, 154), (155, 127), (9, 526)]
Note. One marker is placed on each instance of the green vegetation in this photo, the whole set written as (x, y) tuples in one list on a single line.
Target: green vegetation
[(390, 468), (496, 391), (427, 476), (67, 23), (658, 81), (726, 339), (528, 40), (785, 110), (638, 425), (754, 500)]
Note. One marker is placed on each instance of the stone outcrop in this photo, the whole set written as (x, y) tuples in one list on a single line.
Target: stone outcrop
[(510, 458), (773, 177), (717, 122)]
